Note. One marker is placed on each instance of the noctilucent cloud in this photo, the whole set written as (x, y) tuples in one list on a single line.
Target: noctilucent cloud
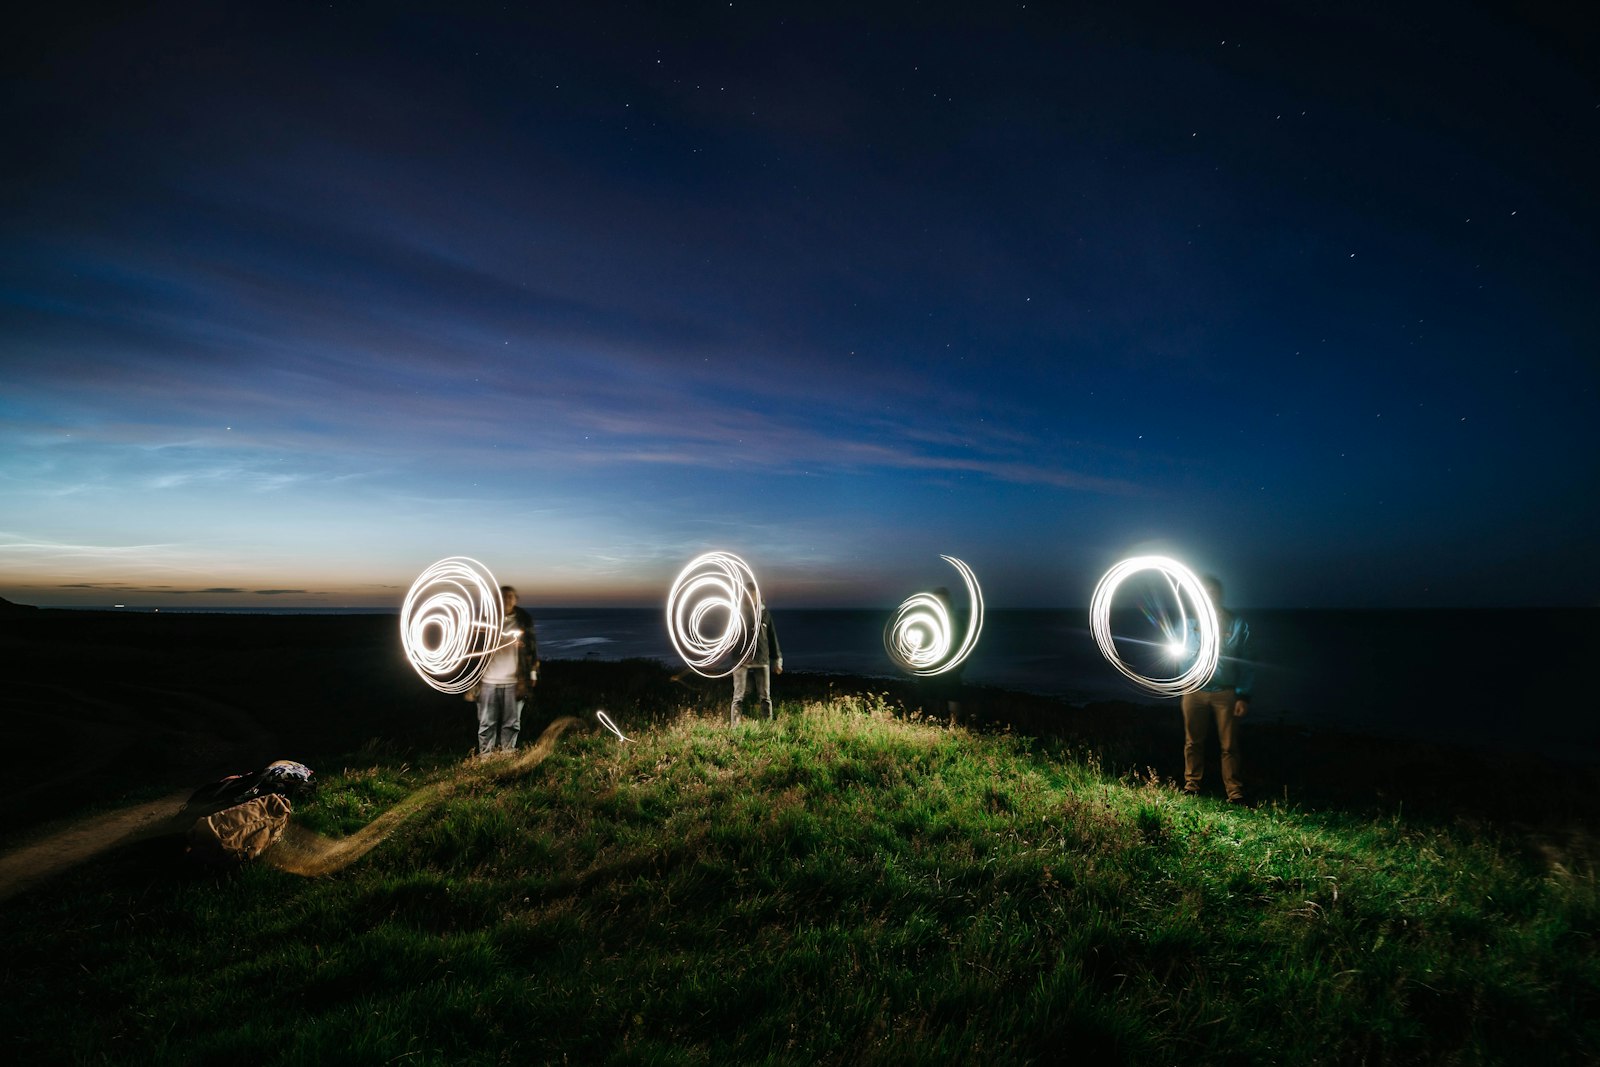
[(294, 302)]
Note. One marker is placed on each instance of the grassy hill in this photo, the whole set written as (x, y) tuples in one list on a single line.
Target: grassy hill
[(846, 885)]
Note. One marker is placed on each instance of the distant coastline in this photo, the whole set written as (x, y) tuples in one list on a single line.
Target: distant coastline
[(1494, 679)]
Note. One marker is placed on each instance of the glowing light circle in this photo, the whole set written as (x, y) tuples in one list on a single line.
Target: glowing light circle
[(1184, 584), (714, 585), (920, 638), (451, 623)]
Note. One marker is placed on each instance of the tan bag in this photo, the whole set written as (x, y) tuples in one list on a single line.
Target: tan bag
[(240, 833)]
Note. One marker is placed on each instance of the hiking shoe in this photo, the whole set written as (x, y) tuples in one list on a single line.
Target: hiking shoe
[(1191, 791), (1241, 801)]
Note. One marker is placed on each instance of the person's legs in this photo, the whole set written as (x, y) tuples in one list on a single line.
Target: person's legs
[(763, 677), (510, 718), (1196, 721), (488, 719), (739, 682), (1227, 741)]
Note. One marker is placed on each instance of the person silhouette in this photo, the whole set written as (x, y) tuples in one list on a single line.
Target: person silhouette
[(508, 680), (764, 655), (1220, 703)]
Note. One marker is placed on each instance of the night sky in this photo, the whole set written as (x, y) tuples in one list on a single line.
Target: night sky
[(295, 300)]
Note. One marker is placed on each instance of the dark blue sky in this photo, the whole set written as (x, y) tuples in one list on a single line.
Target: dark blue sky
[(294, 301)]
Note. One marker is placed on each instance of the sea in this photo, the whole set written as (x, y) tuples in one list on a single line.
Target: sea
[(1495, 679), (1515, 680)]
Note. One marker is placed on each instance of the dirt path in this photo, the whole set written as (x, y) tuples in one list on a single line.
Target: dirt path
[(25, 866), (205, 735)]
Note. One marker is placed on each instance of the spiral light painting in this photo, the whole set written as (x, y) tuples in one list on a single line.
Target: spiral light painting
[(451, 622), (1185, 587), (713, 617), (920, 638)]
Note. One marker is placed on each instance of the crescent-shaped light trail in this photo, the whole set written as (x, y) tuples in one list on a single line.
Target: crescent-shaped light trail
[(712, 617), (920, 638), (451, 622), (1184, 585)]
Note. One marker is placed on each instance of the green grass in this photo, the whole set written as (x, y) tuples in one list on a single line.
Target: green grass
[(843, 886)]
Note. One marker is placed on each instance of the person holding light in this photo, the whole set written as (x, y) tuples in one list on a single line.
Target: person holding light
[(763, 655), (508, 680), (1221, 702)]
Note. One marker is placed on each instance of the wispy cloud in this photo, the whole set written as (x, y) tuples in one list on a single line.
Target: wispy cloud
[(17, 546), (169, 566), (722, 440)]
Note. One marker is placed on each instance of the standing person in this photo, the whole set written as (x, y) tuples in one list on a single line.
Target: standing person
[(1222, 702), (941, 693), (766, 653), (508, 680)]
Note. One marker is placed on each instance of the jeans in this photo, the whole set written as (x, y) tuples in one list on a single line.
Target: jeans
[(741, 682), (499, 717)]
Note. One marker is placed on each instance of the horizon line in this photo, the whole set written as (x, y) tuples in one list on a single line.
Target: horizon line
[(378, 609)]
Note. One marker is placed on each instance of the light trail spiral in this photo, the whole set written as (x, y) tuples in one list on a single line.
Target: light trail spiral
[(920, 637), (1184, 585), (451, 623), (715, 587)]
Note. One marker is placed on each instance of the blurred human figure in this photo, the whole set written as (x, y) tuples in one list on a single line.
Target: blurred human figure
[(1221, 702), (765, 655), (508, 680), (940, 694)]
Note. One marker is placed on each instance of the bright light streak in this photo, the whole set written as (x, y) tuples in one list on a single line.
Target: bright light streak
[(1184, 584), (920, 636), (715, 586), (605, 720), (451, 622)]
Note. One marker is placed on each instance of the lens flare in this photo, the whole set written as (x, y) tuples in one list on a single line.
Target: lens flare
[(451, 622), (714, 614), (1185, 586), (920, 636)]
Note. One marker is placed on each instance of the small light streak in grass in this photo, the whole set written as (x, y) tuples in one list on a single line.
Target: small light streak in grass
[(605, 720)]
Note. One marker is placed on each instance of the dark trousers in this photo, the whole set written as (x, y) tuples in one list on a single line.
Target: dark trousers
[(1202, 711)]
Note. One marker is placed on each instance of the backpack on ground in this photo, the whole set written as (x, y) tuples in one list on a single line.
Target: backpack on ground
[(239, 833), (285, 777)]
